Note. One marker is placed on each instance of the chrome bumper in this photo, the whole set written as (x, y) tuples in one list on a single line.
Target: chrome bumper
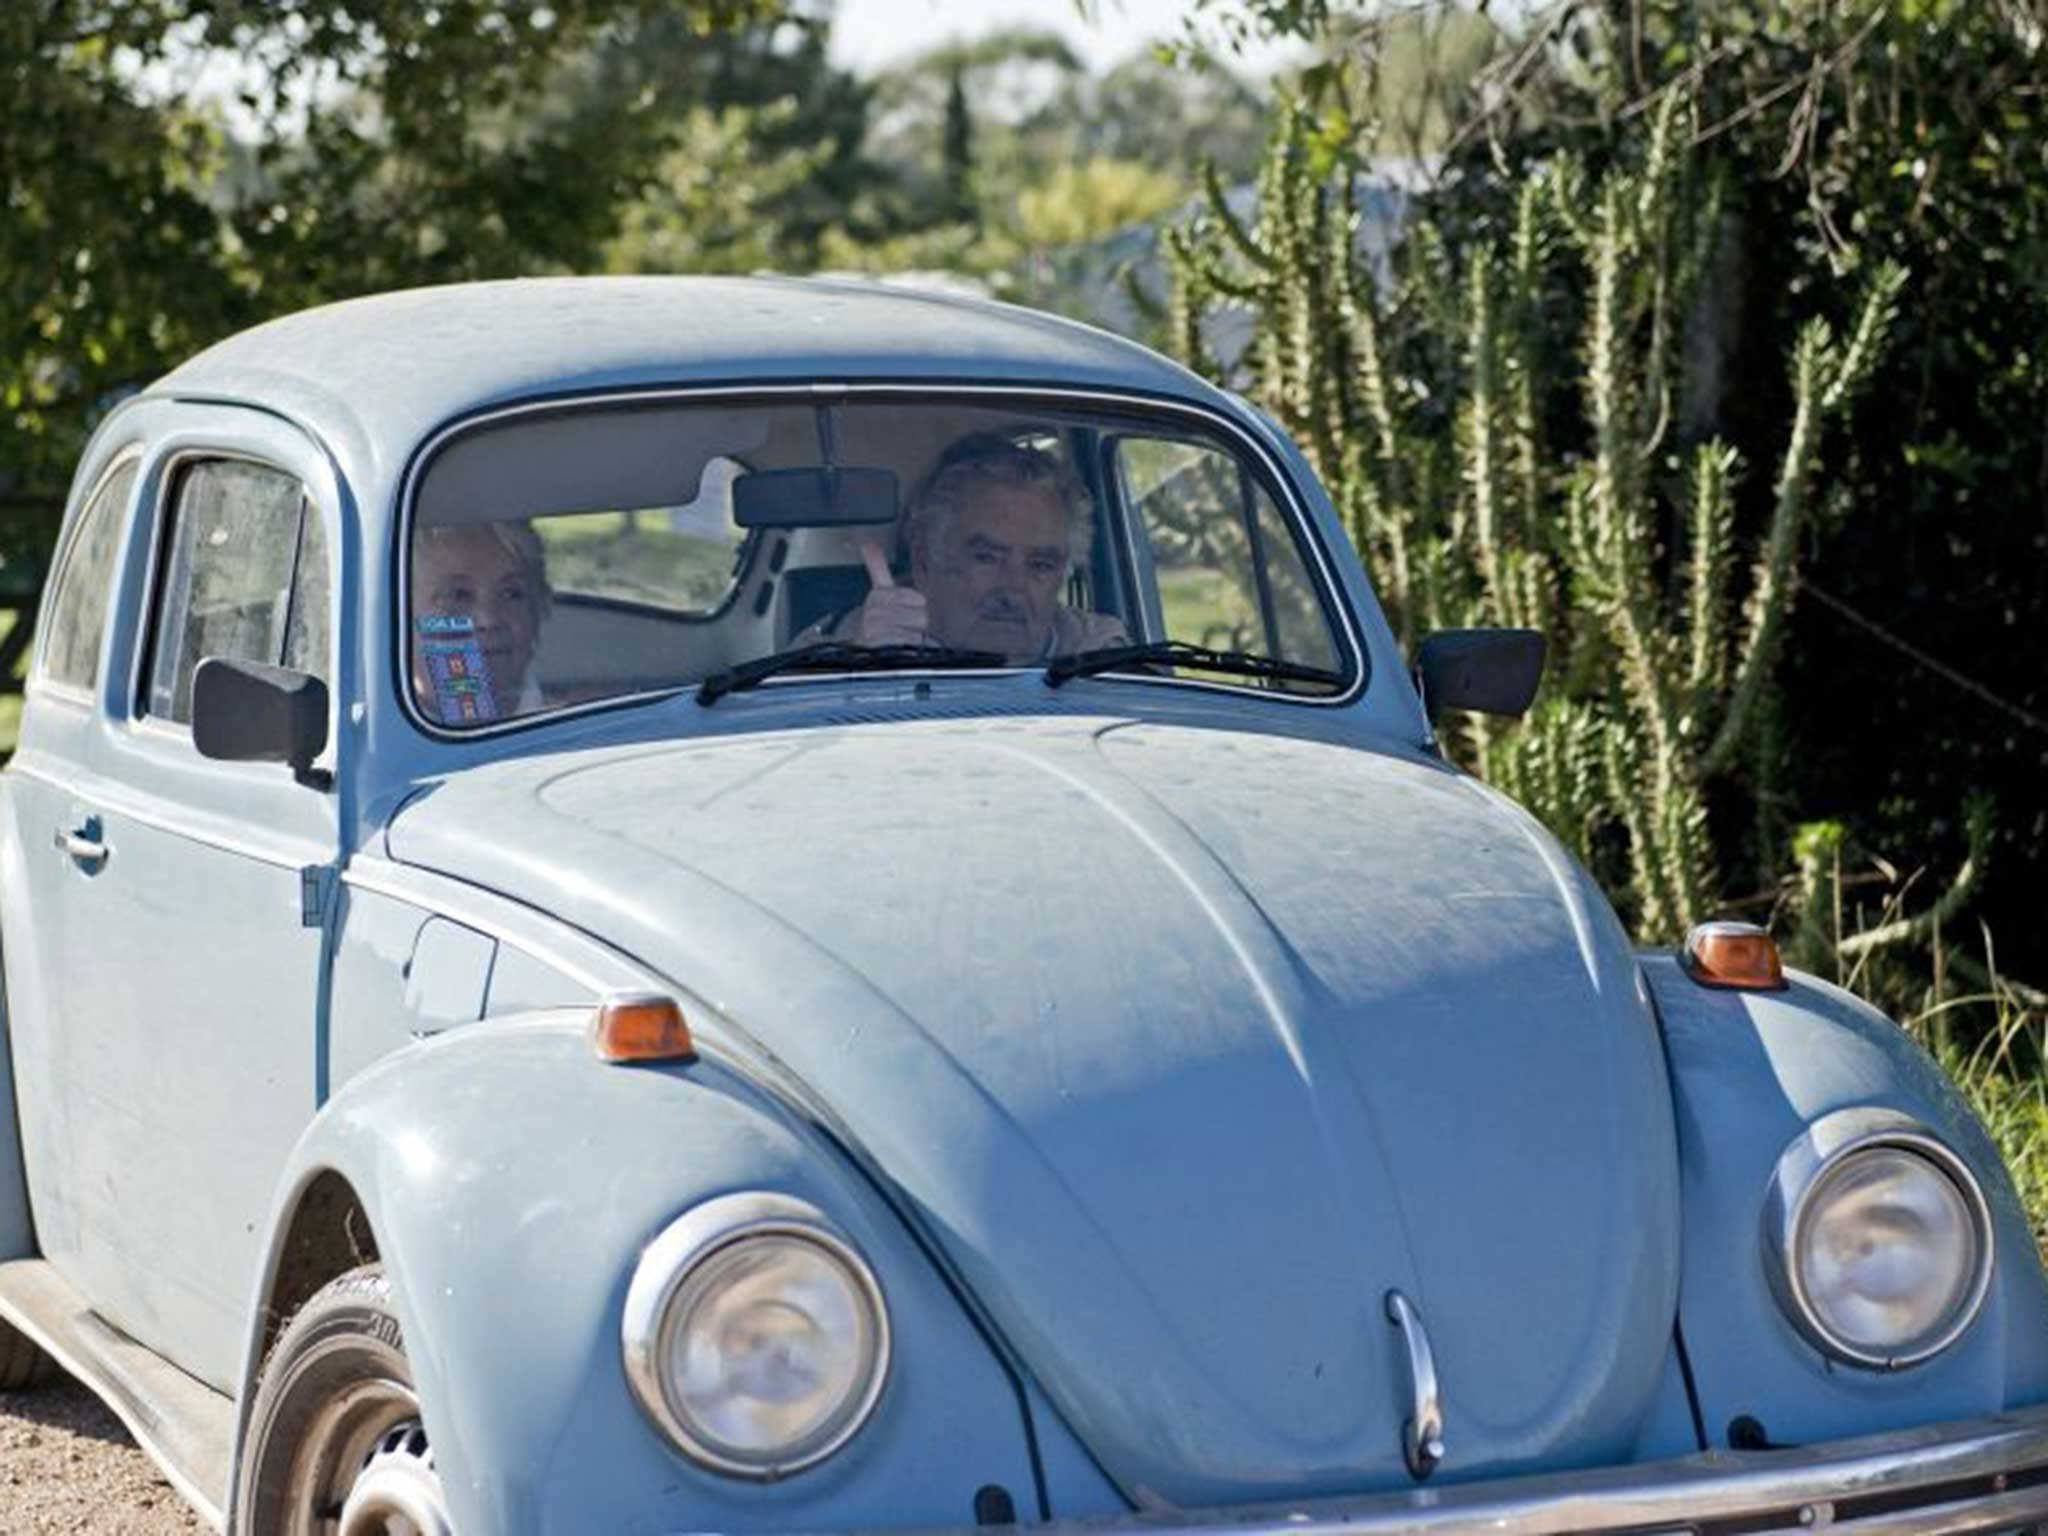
[(1988, 1474)]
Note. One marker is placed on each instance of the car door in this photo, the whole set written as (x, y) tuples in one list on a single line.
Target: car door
[(48, 849), (201, 930)]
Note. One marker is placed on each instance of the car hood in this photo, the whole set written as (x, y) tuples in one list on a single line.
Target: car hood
[(1188, 1046)]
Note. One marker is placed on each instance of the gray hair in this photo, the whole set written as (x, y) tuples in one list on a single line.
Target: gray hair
[(991, 458), (516, 536)]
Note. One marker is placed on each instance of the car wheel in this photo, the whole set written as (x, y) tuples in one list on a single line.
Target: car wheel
[(335, 1445), (22, 1362)]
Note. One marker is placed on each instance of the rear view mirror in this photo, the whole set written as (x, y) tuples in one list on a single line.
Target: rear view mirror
[(1494, 671), (825, 497), (246, 712)]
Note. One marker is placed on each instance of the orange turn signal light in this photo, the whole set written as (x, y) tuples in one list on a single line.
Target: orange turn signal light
[(640, 1026), (1734, 955)]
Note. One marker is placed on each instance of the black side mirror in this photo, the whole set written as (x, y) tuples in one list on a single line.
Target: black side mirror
[(1494, 671), (246, 712)]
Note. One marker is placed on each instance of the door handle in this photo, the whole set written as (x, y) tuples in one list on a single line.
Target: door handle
[(1422, 1437), (83, 843)]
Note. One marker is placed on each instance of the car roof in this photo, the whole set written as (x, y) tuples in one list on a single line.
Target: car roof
[(387, 370)]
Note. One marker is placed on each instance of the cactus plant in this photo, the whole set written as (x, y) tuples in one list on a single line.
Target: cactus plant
[(1424, 398)]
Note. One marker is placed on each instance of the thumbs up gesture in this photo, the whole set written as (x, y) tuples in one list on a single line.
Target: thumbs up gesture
[(892, 615)]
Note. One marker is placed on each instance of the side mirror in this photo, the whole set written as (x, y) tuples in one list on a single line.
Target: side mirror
[(1494, 671), (246, 712)]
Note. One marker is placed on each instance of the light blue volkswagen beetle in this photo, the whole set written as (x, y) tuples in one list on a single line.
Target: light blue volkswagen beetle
[(659, 905)]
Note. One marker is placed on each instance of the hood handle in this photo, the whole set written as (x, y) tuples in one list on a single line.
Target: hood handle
[(1422, 1436)]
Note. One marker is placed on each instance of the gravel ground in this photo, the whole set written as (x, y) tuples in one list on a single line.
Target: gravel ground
[(66, 1464)]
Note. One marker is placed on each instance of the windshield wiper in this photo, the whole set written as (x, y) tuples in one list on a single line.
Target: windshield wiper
[(840, 656), (1180, 653)]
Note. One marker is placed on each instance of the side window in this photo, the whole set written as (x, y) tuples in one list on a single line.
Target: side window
[(1229, 571), (246, 577), (77, 615)]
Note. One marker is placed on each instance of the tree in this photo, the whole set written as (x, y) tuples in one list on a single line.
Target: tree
[(956, 153), (1172, 120), (785, 128), (945, 121), (128, 243)]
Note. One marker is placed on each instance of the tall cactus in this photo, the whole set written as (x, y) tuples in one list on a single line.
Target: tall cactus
[(1421, 398)]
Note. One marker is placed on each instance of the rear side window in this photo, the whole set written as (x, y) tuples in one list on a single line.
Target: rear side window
[(78, 611), (246, 577)]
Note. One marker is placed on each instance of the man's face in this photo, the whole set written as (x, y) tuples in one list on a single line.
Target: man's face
[(469, 573), (992, 582)]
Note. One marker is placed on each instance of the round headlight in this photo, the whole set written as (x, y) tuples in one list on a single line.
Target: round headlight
[(1882, 1239), (755, 1335)]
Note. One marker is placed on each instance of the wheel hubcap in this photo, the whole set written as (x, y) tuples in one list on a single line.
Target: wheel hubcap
[(398, 1492), (364, 1467)]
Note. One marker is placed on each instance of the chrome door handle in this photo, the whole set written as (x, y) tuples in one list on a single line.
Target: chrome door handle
[(1422, 1437), (83, 844)]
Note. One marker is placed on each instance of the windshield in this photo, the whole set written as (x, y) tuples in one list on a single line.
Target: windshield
[(609, 551)]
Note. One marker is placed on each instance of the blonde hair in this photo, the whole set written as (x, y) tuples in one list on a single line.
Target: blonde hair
[(516, 536)]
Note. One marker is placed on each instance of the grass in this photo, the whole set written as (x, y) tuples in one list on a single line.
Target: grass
[(1996, 1059)]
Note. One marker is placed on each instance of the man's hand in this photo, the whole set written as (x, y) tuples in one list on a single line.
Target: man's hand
[(892, 615)]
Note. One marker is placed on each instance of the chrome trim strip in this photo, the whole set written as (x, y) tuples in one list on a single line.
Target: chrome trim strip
[(1804, 1166), (1806, 1487), (1422, 1435), (667, 1262), (1303, 522)]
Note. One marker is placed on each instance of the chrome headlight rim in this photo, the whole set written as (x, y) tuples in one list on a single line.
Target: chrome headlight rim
[(1805, 1167), (677, 1252)]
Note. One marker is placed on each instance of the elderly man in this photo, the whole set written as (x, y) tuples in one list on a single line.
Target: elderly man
[(992, 533)]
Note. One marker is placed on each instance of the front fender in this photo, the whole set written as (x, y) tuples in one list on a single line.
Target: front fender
[(1750, 1071), (511, 1180)]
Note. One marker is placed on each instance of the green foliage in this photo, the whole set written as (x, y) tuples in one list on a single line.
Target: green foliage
[(137, 231), (952, 121), (1085, 201), (1430, 406), (1173, 121), (1403, 75), (1845, 137), (90, 176), (1865, 923), (2000, 1074), (714, 199), (381, 146)]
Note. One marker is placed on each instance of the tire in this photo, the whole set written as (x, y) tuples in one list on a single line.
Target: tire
[(23, 1365), (335, 1445)]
